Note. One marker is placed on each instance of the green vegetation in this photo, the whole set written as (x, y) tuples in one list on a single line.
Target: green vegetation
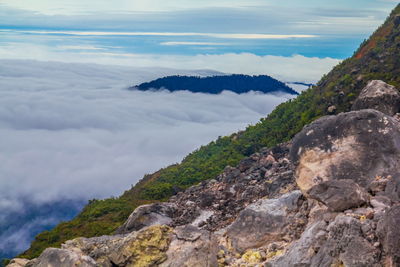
[(4, 262), (377, 58), (237, 83)]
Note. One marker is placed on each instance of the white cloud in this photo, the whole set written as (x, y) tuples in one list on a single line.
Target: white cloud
[(66, 132), (17, 229), (294, 68), (79, 47), (193, 43), (214, 35), (356, 18), (60, 7), (73, 132)]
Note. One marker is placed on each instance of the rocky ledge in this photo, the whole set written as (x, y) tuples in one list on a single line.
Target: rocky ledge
[(331, 197)]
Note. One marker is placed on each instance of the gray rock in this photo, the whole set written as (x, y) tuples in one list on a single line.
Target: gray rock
[(192, 247), (380, 96), (302, 251), (17, 262), (188, 233), (340, 243), (146, 247), (147, 215), (389, 235), (98, 248), (392, 189), (380, 202), (378, 185), (346, 242), (262, 222), (245, 164), (339, 195), (359, 145), (54, 257)]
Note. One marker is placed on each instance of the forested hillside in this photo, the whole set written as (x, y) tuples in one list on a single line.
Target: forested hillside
[(216, 84)]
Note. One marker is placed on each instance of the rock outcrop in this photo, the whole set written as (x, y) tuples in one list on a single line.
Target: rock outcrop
[(359, 145), (339, 195), (380, 96), (264, 221), (54, 257), (191, 246), (148, 215), (389, 235), (18, 262), (331, 197)]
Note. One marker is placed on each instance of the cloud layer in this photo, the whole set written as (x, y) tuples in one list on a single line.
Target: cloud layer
[(64, 127), (294, 68), (185, 34), (74, 132)]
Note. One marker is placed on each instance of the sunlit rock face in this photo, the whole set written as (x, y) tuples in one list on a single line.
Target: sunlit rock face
[(380, 96), (358, 146), (148, 215)]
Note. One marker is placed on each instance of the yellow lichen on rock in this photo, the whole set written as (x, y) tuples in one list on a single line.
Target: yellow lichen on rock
[(274, 254), (338, 264), (251, 256), (150, 246)]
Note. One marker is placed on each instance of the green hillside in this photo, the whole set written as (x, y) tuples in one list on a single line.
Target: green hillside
[(377, 58)]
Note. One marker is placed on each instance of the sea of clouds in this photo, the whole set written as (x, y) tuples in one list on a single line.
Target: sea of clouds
[(73, 132)]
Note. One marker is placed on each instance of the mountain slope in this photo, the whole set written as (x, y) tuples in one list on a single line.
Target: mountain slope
[(377, 58), (216, 84)]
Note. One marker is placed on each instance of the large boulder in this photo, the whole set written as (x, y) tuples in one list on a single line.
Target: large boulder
[(192, 247), (302, 251), (380, 96), (339, 195), (98, 248), (262, 222), (54, 257), (157, 245), (341, 243), (389, 235), (18, 262), (146, 247), (347, 243), (148, 215), (392, 188), (359, 145)]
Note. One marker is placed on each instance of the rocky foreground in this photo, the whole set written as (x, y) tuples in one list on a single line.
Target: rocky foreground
[(331, 197)]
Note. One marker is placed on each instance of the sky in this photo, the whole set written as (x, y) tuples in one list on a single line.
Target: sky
[(70, 131), (187, 34)]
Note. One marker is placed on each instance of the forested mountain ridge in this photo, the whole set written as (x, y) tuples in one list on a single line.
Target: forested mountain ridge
[(236, 83), (377, 58)]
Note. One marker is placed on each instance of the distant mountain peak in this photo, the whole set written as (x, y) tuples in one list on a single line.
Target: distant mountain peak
[(236, 83)]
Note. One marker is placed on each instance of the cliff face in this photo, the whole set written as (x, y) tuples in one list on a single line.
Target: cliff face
[(330, 197)]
